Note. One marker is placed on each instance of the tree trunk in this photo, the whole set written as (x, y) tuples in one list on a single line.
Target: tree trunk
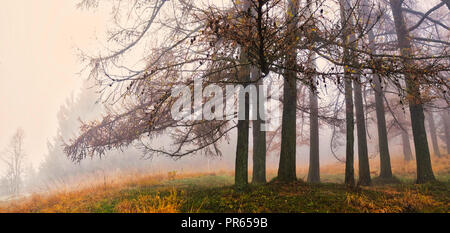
[(241, 169), (385, 158), (241, 166), (363, 154), (383, 146), (287, 166), (424, 169), (407, 152), (259, 137), (314, 162), (314, 165), (446, 124), (349, 116), (350, 138), (434, 140)]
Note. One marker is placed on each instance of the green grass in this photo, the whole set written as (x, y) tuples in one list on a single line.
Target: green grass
[(216, 193), (208, 194)]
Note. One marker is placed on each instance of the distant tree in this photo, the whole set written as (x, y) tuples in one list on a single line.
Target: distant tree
[(445, 120), (58, 168), (433, 135), (406, 145), (14, 157)]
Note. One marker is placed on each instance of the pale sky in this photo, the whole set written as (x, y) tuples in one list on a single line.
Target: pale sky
[(38, 65)]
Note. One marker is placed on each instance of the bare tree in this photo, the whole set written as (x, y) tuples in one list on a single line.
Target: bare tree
[(13, 158)]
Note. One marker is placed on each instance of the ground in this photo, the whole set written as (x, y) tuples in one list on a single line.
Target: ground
[(207, 192)]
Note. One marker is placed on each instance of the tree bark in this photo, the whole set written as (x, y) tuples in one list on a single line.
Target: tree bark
[(287, 166), (446, 124), (424, 169), (363, 154), (314, 164), (348, 93), (259, 137), (385, 158), (241, 169), (350, 138), (241, 165), (433, 135), (407, 152)]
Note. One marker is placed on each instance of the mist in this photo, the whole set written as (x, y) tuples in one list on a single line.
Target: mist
[(47, 90)]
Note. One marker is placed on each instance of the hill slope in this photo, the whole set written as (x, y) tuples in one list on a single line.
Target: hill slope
[(203, 192), (214, 193)]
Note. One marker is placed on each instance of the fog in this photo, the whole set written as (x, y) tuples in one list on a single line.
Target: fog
[(39, 78), (38, 66)]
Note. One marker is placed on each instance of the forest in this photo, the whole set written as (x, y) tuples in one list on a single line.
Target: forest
[(248, 106)]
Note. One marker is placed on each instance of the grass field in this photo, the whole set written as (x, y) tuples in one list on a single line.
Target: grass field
[(201, 192)]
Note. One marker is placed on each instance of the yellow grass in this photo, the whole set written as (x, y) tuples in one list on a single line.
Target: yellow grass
[(151, 204), (88, 195), (441, 166), (397, 202)]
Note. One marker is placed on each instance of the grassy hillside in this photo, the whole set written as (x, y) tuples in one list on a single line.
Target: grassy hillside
[(214, 193)]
